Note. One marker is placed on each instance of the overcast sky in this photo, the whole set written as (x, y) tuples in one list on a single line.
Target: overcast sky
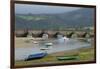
[(41, 9)]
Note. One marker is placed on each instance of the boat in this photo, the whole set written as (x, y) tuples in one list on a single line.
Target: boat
[(35, 56), (67, 57), (48, 44), (44, 49), (35, 42)]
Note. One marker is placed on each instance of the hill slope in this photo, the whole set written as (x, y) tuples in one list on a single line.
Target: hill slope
[(78, 18)]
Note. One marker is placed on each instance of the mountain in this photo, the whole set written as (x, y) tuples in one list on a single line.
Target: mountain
[(79, 18)]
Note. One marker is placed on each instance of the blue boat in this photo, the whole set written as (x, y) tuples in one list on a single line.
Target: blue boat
[(36, 56)]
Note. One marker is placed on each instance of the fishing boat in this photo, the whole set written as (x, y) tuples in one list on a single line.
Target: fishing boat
[(36, 56), (67, 58)]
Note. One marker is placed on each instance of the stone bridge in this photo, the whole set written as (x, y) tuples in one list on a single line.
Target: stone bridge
[(68, 33)]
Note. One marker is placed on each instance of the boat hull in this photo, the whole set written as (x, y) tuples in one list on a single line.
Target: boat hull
[(36, 56), (67, 58)]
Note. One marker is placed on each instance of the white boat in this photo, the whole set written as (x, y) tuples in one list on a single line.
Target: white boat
[(35, 42), (48, 44)]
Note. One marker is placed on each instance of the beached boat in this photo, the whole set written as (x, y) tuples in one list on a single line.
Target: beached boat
[(48, 44), (35, 42), (67, 57), (44, 49), (36, 56)]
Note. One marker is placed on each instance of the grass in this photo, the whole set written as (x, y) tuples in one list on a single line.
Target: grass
[(85, 54)]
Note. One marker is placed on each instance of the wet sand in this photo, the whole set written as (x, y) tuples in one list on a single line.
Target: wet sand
[(24, 42)]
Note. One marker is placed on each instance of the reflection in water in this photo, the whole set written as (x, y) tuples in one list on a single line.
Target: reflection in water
[(45, 36), (62, 39), (58, 45)]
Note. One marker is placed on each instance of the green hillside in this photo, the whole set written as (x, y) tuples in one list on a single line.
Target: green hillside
[(78, 18)]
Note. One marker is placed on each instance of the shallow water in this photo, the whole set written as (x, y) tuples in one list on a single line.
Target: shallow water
[(58, 45)]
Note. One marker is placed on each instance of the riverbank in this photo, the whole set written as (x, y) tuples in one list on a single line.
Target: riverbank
[(85, 54)]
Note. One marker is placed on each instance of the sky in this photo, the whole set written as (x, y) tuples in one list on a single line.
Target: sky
[(41, 9)]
